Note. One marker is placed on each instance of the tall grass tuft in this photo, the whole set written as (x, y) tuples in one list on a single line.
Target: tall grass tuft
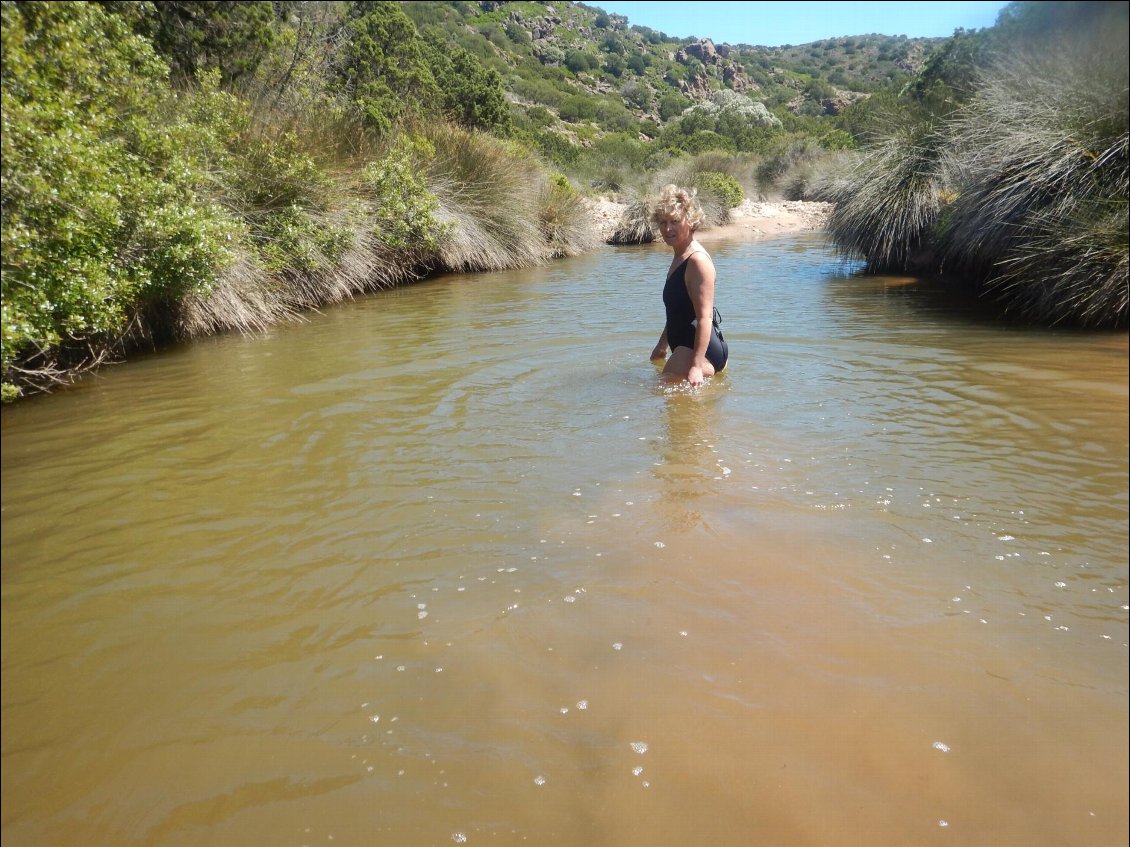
[(634, 226), (781, 165), (888, 203), (488, 198), (822, 180), (1043, 170), (566, 223)]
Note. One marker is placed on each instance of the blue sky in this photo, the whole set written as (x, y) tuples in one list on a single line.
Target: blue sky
[(771, 24)]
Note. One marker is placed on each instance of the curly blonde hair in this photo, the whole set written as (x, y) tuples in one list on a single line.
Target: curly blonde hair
[(676, 202)]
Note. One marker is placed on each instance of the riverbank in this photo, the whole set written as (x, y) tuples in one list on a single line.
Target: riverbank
[(753, 219)]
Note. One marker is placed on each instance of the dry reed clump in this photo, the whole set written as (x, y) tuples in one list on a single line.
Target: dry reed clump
[(567, 226), (1043, 170), (488, 197), (780, 170), (886, 206), (635, 225), (446, 198), (241, 299), (820, 180)]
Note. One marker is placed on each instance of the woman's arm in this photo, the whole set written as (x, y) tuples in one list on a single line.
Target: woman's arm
[(700, 287), (660, 350)]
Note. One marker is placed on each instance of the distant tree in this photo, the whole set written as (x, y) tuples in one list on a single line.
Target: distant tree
[(949, 76), (196, 35), (383, 67), (470, 93)]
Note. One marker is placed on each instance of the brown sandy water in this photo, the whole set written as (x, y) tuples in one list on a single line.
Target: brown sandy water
[(450, 565)]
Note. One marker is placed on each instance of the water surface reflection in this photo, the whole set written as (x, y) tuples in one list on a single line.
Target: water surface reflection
[(867, 586)]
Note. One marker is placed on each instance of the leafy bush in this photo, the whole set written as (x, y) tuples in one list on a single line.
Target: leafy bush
[(383, 68), (102, 212), (403, 215), (578, 61), (724, 187), (672, 105)]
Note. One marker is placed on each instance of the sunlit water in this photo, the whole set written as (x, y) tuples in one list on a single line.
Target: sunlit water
[(449, 564)]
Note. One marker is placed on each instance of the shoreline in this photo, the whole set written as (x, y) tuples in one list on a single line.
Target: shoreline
[(753, 219)]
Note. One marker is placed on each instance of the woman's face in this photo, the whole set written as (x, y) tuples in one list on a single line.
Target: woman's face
[(674, 228)]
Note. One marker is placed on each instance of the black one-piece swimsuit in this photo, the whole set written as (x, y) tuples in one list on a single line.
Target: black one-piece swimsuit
[(681, 316)]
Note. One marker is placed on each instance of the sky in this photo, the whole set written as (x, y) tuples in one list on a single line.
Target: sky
[(771, 24)]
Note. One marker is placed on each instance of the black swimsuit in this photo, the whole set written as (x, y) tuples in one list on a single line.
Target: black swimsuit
[(681, 317)]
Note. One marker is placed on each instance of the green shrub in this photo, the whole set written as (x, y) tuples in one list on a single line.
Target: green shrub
[(578, 61), (403, 207), (102, 171), (723, 186), (383, 68)]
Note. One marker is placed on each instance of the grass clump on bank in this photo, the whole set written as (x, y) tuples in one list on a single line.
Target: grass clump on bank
[(1043, 173), (714, 176), (1019, 191)]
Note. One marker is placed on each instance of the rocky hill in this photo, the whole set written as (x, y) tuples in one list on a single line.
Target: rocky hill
[(577, 64)]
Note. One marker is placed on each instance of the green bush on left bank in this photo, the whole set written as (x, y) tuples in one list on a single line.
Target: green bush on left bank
[(142, 205), (103, 215)]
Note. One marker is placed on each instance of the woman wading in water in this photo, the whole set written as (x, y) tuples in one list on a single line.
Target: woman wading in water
[(691, 334)]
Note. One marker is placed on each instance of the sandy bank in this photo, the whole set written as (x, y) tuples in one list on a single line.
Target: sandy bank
[(752, 219)]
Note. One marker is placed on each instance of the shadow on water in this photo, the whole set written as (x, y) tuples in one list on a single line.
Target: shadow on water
[(951, 300)]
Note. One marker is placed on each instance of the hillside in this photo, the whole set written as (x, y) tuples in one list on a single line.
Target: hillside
[(573, 70)]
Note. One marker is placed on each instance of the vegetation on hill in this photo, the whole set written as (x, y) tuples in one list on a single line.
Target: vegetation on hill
[(178, 168)]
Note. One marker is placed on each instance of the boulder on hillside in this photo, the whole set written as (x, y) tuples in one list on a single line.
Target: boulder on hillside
[(703, 50), (843, 99)]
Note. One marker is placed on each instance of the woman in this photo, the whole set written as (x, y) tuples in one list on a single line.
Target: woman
[(697, 347)]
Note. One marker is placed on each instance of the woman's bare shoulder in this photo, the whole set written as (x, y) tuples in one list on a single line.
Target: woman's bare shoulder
[(700, 261)]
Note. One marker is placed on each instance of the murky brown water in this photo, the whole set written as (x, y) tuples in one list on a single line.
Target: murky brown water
[(448, 565)]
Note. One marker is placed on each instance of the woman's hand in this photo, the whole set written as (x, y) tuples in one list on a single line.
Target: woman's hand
[(694, 375), (660, 351)]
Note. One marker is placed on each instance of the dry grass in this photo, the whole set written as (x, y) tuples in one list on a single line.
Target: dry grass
[(1043, 170), (566, 223), (488, 196), (888, 203), (634, 226)]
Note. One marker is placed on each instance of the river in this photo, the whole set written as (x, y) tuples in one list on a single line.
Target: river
[(449, 564)]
